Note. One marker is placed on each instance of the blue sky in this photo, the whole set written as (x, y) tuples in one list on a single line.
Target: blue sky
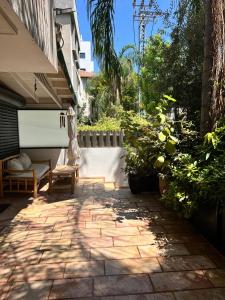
[(124, 33)]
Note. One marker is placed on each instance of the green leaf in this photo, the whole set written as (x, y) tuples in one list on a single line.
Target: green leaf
[(169, 98), (161, 137), (159, 162), (170, 146), (161, 118), (174, 139), (166, 131)]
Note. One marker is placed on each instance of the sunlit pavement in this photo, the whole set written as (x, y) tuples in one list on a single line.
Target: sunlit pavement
[(104, 243)]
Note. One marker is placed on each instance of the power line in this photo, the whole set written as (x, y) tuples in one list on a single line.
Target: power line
[(144, 12)]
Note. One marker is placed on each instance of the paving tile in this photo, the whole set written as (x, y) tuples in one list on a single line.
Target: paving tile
[(134, 222), (38, 272), (130, 240), (204, 294), (218, 260), (41, 227), (102, 217), (182, 263), (181, 238), (166, 250), (15, 236), (84, 269), (4, 289), (71, 288), (82, 218), (82, 233), (175, 281), (25, 256), (101, 224), (115, 253), (30, 291), (176, 228), (25, 245), (155, 296), (132, 266), (217, 277), (201, 248), (93, 242), (150, 229), (5, 273), (120, 231), (60, 243), (65, 255), (122, 285), (71, 224)]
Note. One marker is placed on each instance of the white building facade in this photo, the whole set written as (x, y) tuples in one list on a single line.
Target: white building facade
[(86, 62), (86, 73)]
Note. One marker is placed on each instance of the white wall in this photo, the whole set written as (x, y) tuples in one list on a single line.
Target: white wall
[(87, 62), (41, 128), (94, 162)]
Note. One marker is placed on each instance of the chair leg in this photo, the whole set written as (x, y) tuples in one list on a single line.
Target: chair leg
[(77, 174), (73, 180), (35, 188), (50, 183)]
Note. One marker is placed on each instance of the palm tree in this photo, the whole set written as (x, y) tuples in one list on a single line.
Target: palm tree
[(101, 14)]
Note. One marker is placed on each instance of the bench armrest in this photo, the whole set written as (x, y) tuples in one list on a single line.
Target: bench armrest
[(20, 172)]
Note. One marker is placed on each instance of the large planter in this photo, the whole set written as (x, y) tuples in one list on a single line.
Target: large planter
[(163, 183), (206, 220), (138, 184)]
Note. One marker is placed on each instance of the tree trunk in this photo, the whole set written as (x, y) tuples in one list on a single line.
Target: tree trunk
[(213, 106)]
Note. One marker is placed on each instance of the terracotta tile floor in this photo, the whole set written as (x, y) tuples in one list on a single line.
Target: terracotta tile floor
[(104, 244)]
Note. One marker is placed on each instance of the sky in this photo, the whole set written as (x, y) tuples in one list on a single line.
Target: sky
[(124, 27)]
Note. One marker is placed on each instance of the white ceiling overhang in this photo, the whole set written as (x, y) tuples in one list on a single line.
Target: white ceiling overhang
[(19, 52)]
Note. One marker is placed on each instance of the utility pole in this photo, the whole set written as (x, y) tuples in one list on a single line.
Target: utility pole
[(143, 13)]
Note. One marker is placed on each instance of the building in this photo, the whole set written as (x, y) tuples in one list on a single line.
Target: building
[(86, 62), (86, 73), (66, 17), (39, 64)]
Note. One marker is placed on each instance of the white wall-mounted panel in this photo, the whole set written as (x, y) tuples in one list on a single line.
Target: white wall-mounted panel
[(41, 128)]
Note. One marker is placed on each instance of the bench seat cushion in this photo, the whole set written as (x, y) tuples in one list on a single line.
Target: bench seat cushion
[(40, 169)]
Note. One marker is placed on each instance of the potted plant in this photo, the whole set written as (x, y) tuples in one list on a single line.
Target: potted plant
[(141, 175), (149, 143)]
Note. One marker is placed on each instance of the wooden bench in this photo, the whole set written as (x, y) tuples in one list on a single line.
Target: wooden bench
[(64, 171), (23, 181)]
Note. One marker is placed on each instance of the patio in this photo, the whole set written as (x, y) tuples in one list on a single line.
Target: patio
[(104, 243)]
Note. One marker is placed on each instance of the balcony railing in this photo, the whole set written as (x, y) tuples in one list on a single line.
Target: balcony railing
[(95, 139)]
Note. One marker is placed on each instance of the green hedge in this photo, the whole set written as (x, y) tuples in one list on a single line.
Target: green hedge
[(105, 124)]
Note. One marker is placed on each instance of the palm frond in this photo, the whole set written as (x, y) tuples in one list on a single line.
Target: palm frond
[(101, 15)]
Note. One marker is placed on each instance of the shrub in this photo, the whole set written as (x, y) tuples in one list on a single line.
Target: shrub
[(105, 124)]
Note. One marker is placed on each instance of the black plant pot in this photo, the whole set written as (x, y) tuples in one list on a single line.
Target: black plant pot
[(206, 220), (148, 183)]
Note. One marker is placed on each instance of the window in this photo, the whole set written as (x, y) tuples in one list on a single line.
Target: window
[(82, 55)]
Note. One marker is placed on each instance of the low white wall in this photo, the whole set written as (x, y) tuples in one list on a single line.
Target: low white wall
[(94, 162)]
